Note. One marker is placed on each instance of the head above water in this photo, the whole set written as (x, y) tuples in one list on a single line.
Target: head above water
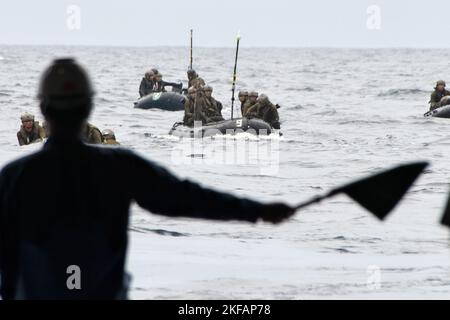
[(26, 117), (27, 121), (108, 134), (65, 94)]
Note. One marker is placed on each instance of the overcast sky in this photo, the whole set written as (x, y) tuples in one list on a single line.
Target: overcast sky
[(263, 23)]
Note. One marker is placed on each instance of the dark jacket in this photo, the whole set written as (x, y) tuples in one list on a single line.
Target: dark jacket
[(159, 86), (79, 216), (146, 87)]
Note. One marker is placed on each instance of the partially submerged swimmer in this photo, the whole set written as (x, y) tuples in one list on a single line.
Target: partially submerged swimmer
[(30, 132)]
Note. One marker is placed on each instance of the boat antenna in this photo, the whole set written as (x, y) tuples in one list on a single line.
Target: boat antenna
[(233, 89)]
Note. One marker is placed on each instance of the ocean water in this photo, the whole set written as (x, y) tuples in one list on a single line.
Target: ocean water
[(345, 113)]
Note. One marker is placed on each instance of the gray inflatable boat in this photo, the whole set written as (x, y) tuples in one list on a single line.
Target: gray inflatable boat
[(442, 112), (229, 127), (168, 101)]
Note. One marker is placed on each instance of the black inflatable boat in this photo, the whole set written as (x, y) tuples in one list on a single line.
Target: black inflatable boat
[(442, 112), (232, 127), (168, 101)]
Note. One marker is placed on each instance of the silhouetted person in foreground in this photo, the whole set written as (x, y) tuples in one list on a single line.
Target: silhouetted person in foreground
[(77, 219)]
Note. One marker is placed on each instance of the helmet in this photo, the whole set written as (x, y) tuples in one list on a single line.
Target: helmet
[(191, 72), (192, 90), (207, 88), (27, 117), (243, 94), (65, 92), (108, 134), (149, 73), (155, 71), (253, 94), (158, 75), (263, 98), (441, 83), (64, 79)]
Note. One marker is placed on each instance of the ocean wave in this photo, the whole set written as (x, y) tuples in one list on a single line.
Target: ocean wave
[(367, 122), (402, 92), (305, 89), (159, 232), (296, 107)]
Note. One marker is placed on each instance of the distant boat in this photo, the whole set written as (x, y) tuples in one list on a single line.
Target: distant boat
[(168, 101), (442, 112)]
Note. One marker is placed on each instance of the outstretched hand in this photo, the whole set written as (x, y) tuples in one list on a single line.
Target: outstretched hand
[(277, 213)]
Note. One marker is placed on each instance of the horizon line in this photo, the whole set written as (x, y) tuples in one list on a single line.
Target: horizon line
[(220, 47)]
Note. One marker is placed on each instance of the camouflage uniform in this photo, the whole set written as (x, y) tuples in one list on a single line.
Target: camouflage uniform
[(37, 134), (91, 134), (266, 111), (195, 110), (246, 106), (249, 102), (189, 112), (243, 98), (213, 110), (436, 98)]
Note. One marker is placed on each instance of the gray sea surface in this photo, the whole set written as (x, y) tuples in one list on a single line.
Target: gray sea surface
[(345, 113)]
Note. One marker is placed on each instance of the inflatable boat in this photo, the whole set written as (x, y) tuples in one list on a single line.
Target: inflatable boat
[(168, 101), (252, 126), (442, 112)]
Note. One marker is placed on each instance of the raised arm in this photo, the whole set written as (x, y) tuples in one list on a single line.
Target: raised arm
[(160, 192)]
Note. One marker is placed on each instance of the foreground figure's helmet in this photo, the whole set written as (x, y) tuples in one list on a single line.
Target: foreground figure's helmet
[(207, 88), (65, 87)]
